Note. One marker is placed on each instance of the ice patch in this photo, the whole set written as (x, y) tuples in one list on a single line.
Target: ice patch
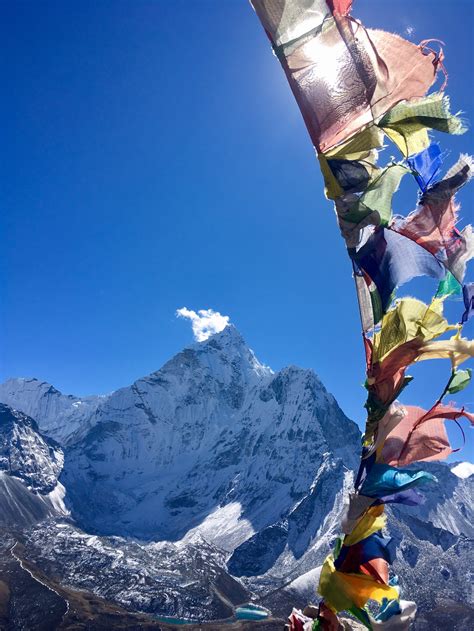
[(223, 527), (56, 498)]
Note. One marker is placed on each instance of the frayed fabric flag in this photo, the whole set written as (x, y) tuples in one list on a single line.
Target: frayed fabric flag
[(386, 379), (388, 609), (386, 480), (391, 260), (408, 122), (457, 350), (370, 304), (392, 417), (362, 146), (377, 197), (372, 520), (421, 435), (426, 165), (352, 175), (460, 379), (460, 250), (449, 286), (345, 590), (375, 546), (432, 225), (286, 21), (409, 497), (376, 568), (366, 74), (356, 507), (410, 319), (405, 331)]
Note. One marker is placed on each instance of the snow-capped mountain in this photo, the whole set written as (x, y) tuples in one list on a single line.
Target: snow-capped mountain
[(232, 476), (59, 416), (212, 431)]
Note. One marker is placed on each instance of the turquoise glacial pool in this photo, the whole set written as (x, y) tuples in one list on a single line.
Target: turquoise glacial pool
[(246, 612)]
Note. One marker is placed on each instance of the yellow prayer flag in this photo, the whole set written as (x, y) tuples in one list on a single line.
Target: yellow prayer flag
[(370, 522), (342, 591)]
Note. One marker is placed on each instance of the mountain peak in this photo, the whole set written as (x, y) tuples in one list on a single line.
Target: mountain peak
[(230, 347), (229, 335)]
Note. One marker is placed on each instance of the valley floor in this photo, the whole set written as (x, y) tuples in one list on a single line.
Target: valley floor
[(31, 600)]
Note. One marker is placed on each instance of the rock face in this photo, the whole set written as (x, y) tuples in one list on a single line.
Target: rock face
[(27, 455), (30, 465), (232, 476)]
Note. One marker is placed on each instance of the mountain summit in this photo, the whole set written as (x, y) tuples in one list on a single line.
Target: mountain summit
[(214, 431)]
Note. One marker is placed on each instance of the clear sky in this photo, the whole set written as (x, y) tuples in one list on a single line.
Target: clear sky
[(154, 158)]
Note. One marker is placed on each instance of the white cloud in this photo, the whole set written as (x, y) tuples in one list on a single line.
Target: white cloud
[(410, 30), (205, 322)]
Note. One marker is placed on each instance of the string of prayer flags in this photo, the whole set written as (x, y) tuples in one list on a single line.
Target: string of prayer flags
[(358, 89)]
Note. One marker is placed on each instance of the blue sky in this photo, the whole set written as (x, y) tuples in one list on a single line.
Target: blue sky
[(155, 159)]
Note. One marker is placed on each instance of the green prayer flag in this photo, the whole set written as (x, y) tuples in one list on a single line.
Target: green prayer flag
[(337, 547), (361, 615), (459, 380), (407, 123), (431, 111), (449, 286), (378, 196)]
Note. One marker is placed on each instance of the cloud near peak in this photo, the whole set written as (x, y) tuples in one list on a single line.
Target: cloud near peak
[(205, 322)]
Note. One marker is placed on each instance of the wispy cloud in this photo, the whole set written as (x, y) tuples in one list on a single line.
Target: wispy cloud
[(205, 322)]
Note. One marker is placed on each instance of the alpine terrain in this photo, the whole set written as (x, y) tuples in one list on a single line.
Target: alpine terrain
[(208, 485)]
